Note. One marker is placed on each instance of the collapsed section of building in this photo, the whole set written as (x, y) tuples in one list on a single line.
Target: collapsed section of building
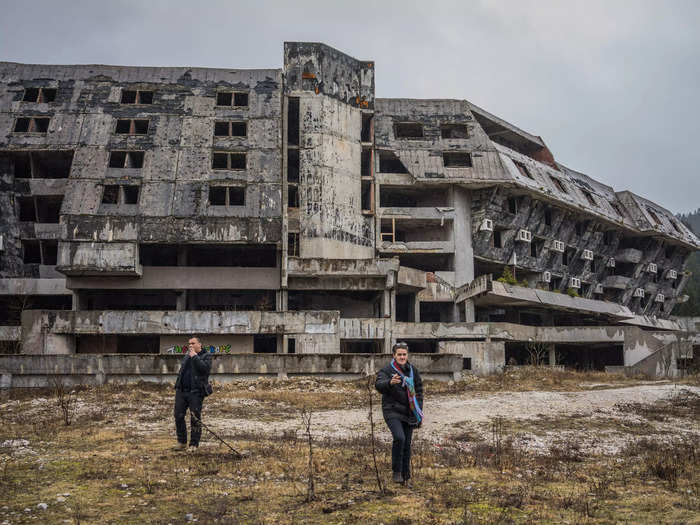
[(289, 212)]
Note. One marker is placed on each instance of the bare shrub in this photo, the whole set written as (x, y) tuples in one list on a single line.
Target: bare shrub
[(370, 391), (65, 398), (306, 415)]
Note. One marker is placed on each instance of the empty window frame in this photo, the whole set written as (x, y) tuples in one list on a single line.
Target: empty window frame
[(31, 252), (454, 131), (523, 169), (559, 184), (131, 127), (292, 196), (39, 95), (126, 159), (120, 194), (512, 205), (366, 130), (26, 208), (228, 160), (366, 162), (227, 196), (136, 96), (49, 252), (293, 244), (548, 217), (31, 125), (456, 159), (293, 121), (230, 129), (390, 163), (589, 198), (232, 98), (496, 239), (367, 196), (293, 165), (408, 130)]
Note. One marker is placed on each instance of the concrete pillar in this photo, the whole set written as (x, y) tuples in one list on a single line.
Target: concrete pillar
[(386, 310), (181, 301), (464, 252), (416, 308), (552, 354), (281, 298), (79, 302)]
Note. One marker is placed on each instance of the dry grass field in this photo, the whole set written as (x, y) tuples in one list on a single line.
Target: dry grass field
[(526, 446)]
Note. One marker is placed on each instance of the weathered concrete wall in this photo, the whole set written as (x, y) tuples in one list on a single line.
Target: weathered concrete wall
[(486, 358), (21, 371)]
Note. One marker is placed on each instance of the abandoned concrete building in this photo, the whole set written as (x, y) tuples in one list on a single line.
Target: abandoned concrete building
[(288, 212)]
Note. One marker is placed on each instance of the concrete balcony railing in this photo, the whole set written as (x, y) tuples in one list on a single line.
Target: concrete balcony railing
[(424, 213), (619, 282), (365, 328), (418, 247), (629, 255)]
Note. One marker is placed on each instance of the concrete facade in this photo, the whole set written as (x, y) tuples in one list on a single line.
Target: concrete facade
[(289, 211)]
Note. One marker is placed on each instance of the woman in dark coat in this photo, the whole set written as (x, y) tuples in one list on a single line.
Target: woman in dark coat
[(402, 406)]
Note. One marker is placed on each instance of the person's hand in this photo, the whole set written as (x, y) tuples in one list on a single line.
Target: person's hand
[(395, 379), (191, 353)]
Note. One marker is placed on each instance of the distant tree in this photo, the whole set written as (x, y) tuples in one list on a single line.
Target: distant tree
[(691, 307)]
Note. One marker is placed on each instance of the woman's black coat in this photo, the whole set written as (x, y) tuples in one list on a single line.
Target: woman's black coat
[(394, 397)]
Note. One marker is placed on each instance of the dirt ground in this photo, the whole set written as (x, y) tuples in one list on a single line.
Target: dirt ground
[(527, 446)]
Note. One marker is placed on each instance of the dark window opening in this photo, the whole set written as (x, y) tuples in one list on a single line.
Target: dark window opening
[(390, 163), (405, 308), (594, 264), (158, 254), (132, 127), (240, 99), (231, 300), (12, 306), (130, 300), (580, 228), (236, 196), (293, 121), (230, 129), (548, 217), (350, 304), (48, 209), (367, 197), (523, 169), (366, 131), (568, 256), (669, 251), (454, 131), (292, 196), (291, 345), (422, 346), (110, 194), (49, 252), (265, 344), (228, 161), (608, 237), (512, 205), (138, 344), (131, 194), (631, 242), (625, 269), (52, 164), (227, 196), (589, 197), (412, 197), (293, 165), (27, 210), (32, 125), (23, 168), (293, 244), (366, 163), (31, 95), (130, 96), (408, 130), (456, 159), (233, 255), (534, 248), (427, 262), (559, 184), (497, 243), (360, 347), (239, 129), (466, 363), (31, 252), (435, 312), (221, 129), (44, 95), (126, 159), (224, 98), (22, 125)]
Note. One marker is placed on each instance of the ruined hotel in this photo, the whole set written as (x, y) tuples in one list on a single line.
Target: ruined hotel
[(301, 225)]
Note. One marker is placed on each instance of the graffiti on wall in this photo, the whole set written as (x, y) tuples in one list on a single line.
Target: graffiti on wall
[(212, 349)]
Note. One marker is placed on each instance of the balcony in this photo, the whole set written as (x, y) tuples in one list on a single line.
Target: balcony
[(629, 255), (618, 282)]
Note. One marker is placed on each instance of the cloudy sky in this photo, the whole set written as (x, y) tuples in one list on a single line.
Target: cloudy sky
[(611, 86)]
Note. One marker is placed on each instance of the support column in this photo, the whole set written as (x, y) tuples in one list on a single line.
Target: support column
[(552, 354), (416, 308), (181, 301), (462, 232)]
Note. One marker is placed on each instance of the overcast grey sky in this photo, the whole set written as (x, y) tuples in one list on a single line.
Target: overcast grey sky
[(611, 86)]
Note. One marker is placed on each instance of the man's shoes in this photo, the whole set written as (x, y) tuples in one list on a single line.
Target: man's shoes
[(407, 481), (180, 447), (398, 477), (193, 449)]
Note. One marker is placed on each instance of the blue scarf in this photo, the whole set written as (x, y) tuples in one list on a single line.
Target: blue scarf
[(407, 383)]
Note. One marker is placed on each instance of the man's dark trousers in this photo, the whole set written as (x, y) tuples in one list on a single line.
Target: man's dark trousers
[(193, 401), (401, 447)]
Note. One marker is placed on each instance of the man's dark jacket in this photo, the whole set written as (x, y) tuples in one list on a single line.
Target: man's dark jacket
[(395, 398), (200, 366)]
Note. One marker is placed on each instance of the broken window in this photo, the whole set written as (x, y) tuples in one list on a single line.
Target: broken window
[(512, 205), (408, 130), (608, 237), (51, 164), (496, 239), (158, 254), (291, 345), (31, 252), (366, 162), (589, 197), (366, 131), (367, 196), (228, 160), (120, 194), (653, 216), (523, 169), (559, 184), (292, 196), (131, 96), (293, 121), (265, 344), (49, 252), (293, 165), (32, 125), (39, 95), (548, 217), (293, 244), (126, 159), (456, 159), (580, 228), (232, 98), (132, 127), (454, 131), (48, 209), (27, 210), (390, 163), (230, 129), (227, 196)]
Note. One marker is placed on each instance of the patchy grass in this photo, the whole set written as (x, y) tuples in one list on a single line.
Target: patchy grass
[(113, 463)]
